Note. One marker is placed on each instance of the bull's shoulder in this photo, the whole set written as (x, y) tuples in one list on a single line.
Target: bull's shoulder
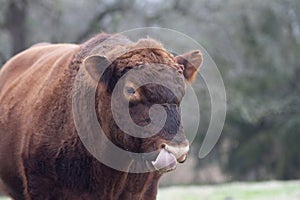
[(37, 53)]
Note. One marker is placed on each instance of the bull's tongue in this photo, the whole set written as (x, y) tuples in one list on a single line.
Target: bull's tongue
[(165, 160)]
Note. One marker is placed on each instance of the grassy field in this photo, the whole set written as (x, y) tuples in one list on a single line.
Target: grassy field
[(272, 190)]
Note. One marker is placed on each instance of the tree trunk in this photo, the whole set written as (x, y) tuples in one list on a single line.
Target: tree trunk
[(16, 24)]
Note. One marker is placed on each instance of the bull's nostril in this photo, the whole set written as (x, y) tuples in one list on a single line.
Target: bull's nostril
[(163, 145)]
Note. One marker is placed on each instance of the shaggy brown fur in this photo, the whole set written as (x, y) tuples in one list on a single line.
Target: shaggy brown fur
[(41, 154)]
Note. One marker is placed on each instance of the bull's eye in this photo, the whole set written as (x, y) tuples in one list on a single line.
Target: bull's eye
[(131, 93), (130, 90)]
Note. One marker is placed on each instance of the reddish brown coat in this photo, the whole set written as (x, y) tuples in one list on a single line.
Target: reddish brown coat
[(41, 155)]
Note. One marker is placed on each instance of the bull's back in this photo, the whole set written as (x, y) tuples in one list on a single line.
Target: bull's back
[(24, 80)]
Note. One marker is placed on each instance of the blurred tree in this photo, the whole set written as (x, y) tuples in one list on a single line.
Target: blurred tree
[(15, 23), (92, 28), (265, 107)]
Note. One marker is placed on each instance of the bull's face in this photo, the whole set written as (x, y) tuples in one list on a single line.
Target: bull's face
[(140, 105)]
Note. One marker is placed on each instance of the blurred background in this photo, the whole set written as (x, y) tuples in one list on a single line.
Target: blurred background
[(256, 46)]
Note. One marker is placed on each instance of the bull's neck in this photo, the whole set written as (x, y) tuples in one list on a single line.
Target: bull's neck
[(108, 183), (141, 186), (113, 184)]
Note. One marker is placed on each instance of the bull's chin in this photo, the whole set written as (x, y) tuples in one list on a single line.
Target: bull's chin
[(168, 168), (173, 166)]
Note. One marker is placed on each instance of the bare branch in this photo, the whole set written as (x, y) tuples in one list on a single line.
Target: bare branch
[(114, 8), (16, 24), (2, 59)]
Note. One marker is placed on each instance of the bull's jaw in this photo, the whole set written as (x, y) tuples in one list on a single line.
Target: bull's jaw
[(169, 156)]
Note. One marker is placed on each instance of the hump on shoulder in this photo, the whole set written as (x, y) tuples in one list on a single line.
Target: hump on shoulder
[(38, 59), (41, 44)]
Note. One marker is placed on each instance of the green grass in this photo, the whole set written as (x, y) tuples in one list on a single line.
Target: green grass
[(272, 190)]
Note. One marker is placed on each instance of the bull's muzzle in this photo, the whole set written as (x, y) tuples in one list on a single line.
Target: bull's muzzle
[(169, 156)]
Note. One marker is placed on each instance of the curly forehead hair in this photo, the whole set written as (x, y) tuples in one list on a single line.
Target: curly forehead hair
[(124, 53), (146, 51)]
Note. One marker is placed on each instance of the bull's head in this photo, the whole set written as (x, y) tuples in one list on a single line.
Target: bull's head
[(138, 95)]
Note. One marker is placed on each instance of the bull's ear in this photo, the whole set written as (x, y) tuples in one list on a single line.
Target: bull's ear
[(191, 62), (96, 65)]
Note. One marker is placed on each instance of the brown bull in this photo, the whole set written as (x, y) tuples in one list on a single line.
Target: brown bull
[(41, 154)]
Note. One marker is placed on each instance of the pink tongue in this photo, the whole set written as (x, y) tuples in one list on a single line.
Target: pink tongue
[(164, 159)]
